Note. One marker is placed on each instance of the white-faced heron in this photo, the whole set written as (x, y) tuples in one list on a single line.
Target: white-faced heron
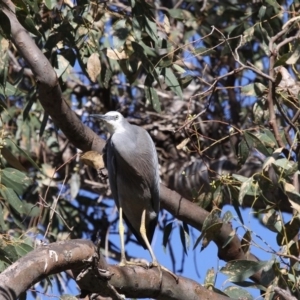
[(131, 160)]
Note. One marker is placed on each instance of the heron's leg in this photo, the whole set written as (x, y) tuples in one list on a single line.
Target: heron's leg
[(123, 261), (144, 236), (154, 260), (121, 232)]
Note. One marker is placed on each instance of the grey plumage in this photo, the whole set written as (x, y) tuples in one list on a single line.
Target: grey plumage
[(131, 160)]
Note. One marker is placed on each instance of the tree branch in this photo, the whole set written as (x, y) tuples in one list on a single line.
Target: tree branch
[(134, 282), (194, 215), (42, 262)]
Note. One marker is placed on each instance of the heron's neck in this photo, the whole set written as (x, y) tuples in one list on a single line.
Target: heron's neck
[(115, 129)]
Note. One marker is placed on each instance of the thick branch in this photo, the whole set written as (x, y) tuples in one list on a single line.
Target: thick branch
[(42, 262), (135, 282)]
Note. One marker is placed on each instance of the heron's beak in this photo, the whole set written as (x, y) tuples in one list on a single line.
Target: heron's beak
[(101, 117)]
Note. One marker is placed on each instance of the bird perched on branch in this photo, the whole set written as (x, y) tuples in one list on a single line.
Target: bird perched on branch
[(131, 160)]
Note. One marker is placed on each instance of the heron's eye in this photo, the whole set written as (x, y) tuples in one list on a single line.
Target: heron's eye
[(116, 117)]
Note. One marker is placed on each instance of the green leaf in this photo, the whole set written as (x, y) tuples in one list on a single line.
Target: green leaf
[(260, 141), (43, 124), (5, 28), (251, 284), (262, 11), (239, 270), (210, 278), (211, 227), (185, 81), (136, 29), (11, 197), (282, 60), (272, 220), (10, 90), (227, 217), (176, 13), (172, 82), (4, 44), (179, 69), (229, 238), (139, 51), (15, 180), (295, 54), (263, 36), (22, 152), (240, 177), (22, 249), (148, 50), (30, 210), (211, 233), (248, 34), (121, 33), (254, 89), (288, 232), (151, 29), (2, 223), (17, 219), (20, 4), (30, 102), (203, 51), (74, 185), (26, 21), (3, 265), (107, 78), (152, 97), (183, 238), (50, 4), (8, 253), (285, 164), (243, 151), (246, 240), (235, 292), (248, 187), (186, 234), (167, 232), (61, 65), (235, 202)]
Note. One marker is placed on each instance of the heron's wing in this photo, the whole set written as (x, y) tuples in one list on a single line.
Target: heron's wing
[(109, 157), (156, 180), (136, 155)]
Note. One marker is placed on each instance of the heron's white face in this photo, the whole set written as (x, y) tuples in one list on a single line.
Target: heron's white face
[(114, 122)]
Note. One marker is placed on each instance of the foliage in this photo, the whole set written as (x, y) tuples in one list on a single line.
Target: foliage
[(215, 84)]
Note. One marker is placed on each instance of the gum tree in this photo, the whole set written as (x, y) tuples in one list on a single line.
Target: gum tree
[(215, 84)]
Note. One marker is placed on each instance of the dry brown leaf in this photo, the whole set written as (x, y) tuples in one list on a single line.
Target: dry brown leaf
[(94, 67), (116, 55), (167, 24), (182, 144), (93, 159)]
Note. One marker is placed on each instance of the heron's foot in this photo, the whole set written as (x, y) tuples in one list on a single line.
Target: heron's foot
[(160, 268), (154, 264), (126, 263), (171, 273)]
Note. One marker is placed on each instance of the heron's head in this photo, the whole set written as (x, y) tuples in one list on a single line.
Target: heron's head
[(114, 121)]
